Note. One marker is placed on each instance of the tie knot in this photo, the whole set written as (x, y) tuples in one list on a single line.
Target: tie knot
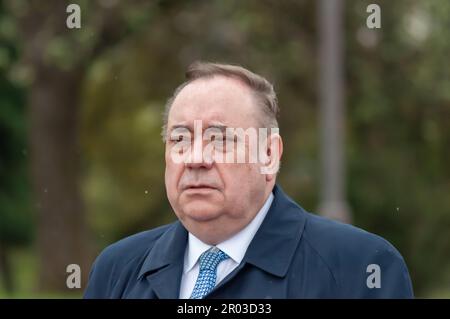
[(211, 258)]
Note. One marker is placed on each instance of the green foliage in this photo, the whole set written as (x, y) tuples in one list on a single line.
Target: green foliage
[(16, 223), (399, 137)]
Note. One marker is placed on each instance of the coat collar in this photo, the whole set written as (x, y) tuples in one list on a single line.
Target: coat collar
[(163, 266), (271, 250), (274, 245)]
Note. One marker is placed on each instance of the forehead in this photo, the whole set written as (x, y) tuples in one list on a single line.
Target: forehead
[(216, 99)]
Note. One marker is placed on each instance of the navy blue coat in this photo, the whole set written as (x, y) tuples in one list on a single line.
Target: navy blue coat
[(294, 254)]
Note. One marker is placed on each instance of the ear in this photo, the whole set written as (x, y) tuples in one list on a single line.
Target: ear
[(274, 152)]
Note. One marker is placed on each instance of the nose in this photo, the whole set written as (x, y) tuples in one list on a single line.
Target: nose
[(202, 164), (197, 158)]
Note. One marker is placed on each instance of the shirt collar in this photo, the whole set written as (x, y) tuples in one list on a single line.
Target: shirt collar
[(235, 246)]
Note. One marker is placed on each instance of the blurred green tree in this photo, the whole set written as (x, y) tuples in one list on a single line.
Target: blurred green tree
[(16, 222), (53, 64)]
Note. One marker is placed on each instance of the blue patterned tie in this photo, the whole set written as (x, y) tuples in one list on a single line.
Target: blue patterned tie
[(207, 275)]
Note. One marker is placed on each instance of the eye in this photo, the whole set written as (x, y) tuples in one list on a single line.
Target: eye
[(220, 143), (177, 139), (215, 138)]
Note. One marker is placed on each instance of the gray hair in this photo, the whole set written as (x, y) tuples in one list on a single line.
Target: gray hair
[(263, 89)]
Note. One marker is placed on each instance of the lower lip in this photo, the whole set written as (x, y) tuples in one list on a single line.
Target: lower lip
[(199, 190)]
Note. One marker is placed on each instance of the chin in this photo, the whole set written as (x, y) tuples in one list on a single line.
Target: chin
[(201, 212)]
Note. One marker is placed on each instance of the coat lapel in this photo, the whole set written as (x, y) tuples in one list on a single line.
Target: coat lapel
[(274, 245), (163, 266)]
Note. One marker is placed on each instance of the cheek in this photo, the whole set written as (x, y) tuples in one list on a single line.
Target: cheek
[(240, 179), (172, 175)]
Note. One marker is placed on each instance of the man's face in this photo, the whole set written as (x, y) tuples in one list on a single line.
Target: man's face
[(213, 200)]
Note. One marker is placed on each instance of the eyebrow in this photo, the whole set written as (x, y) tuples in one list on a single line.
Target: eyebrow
[(221, 127), (174, 127)]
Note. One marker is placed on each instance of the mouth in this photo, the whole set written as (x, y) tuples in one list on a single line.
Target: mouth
[(199, 188)]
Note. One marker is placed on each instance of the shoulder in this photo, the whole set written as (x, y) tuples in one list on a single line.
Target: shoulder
[(114, 259), (132, 246), (329, 236), (351, 255)]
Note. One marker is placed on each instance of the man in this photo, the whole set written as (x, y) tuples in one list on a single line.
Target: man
[(238, 235)]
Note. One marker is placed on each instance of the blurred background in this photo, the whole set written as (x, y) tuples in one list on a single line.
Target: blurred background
[(81, 158)]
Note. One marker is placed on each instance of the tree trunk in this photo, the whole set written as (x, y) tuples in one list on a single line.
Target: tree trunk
[(331, 96), (53, 136), (61, 231)]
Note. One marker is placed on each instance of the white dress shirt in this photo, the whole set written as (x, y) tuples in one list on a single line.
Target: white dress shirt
[(235, 247)]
